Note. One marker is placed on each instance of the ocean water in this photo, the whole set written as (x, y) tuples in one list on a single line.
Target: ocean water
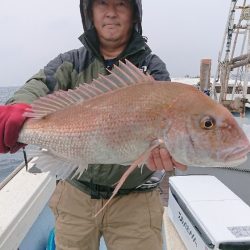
[(8, 162)]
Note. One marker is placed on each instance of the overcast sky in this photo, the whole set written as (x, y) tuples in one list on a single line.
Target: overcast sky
[(181, 32)]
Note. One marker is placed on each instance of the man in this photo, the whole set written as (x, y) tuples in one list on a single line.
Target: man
[(133, 220)]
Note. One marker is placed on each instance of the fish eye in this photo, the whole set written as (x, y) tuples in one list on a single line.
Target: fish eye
[(207, 123)]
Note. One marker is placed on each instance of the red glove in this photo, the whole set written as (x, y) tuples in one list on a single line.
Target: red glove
[(11, 122)]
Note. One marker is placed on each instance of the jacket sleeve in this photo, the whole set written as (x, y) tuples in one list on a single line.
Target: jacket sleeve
[(57, 74), (157, 68), (34, 88)]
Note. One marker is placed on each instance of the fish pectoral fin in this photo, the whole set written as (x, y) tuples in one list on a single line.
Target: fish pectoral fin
[(60, 167), (138, 162)]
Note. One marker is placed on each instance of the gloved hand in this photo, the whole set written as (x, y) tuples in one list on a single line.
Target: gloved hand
[(11, 122)]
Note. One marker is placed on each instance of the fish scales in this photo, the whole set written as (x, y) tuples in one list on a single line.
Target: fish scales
[(122, 124), (119, 124)]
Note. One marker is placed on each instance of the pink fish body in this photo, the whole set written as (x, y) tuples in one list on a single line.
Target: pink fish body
[(116, 118)]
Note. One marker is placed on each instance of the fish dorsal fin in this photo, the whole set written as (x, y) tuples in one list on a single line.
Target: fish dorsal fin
[(120, 77)]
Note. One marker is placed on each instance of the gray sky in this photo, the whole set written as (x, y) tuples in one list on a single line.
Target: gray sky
[(181, 32)]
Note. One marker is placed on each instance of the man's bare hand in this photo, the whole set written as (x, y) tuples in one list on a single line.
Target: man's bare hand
[(161, 159)]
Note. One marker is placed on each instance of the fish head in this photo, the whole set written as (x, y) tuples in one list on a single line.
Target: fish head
[(202, 132)]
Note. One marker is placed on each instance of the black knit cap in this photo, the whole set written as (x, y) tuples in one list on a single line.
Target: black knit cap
[(85, 9)]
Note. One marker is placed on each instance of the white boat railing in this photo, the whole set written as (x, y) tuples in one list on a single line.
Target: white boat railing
[(21, 202)]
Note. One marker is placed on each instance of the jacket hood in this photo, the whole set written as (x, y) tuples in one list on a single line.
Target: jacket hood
[(85, 10)]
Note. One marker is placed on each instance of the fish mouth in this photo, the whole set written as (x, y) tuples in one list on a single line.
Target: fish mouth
[(236, 157), (230, 158), (238, 153), (223, 164)]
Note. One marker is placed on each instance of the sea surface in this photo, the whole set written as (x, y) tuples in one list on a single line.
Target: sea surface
[(8, 162)]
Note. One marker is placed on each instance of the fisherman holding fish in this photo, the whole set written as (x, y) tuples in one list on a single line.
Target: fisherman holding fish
[(99, 134), (133, 220)]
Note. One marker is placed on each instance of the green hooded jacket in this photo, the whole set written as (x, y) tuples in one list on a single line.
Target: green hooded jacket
[(82, 65)]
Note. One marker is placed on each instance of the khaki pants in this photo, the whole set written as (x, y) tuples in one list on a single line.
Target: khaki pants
[(130, 222)]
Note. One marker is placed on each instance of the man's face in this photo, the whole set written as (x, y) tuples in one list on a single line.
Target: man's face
[(113, 20)]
